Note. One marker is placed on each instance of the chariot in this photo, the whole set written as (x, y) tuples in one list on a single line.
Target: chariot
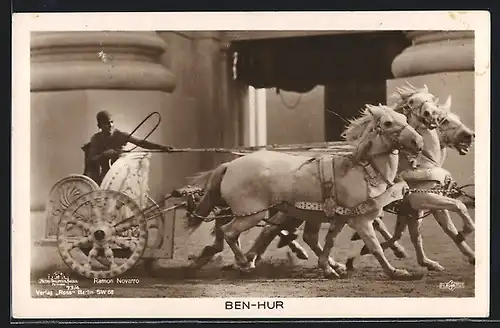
[(87, 222)]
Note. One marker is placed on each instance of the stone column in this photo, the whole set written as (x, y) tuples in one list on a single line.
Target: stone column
[(444, 61), (76, 74), (205, 88)]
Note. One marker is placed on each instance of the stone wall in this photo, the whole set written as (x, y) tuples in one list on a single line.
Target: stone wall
[(74, 75), (77, 74), (304, 115)]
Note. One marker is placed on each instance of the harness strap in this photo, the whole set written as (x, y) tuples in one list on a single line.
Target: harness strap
[(327, 177), (326, 169), (329, 205), (370, 205)]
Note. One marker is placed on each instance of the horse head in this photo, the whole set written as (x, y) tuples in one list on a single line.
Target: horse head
[(452, 132), (419, 106), (384, 124)]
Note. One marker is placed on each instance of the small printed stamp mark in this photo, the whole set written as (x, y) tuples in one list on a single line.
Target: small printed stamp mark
[(451, 285)]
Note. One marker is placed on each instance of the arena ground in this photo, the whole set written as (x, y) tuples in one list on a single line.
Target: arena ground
[(282, 275)]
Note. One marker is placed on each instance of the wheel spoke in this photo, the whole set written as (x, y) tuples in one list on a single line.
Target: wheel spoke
[(110, 207), (108, 253), (123, 243), (92, 255), (80, 224), (125, 224), (80, 242), (97, 209)]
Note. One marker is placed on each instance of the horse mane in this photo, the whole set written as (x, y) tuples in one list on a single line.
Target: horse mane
[(453, 116), (404, 93), (358, 128)]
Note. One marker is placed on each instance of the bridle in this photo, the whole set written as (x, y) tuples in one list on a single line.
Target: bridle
[(416, 111), (392, 136), (393, 144), (408, 110), (446, 140)]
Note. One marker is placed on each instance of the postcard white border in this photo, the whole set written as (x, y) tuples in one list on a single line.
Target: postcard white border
[(26, 307)]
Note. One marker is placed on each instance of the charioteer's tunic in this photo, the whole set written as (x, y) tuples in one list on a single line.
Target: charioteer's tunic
[(96, 165)]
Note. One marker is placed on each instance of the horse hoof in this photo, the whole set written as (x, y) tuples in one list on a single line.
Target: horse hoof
[(251, 257), (433, 266), (245, 269), (472, 261), (331, 274), (401, 274), (342, 271)]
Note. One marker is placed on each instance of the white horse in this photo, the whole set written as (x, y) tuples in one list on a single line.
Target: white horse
[(421, 109), (452, 133), (253, 184)]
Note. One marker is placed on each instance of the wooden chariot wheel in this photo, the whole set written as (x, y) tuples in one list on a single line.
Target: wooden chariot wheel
[(61, 195), (102, 234)]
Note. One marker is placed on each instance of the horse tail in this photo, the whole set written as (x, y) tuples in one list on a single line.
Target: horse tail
[(212, 181), (200, 179)]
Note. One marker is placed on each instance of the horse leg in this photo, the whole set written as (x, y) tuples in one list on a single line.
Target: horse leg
[(261, 243), (210, 251), (390, 241), (288, 235), (232, 232), (311, 238), (397, 248), (416, 239), (433, 201), (325, 262), (269, 233), (297, 249), (444, 220), (364, 226), (401, 223)]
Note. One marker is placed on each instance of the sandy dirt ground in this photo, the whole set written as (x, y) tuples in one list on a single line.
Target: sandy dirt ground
[(282, 275)]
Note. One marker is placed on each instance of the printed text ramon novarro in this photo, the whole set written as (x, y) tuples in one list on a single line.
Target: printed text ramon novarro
[(116, 281)]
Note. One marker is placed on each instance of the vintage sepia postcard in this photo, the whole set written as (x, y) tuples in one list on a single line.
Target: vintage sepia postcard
[(251, 165)]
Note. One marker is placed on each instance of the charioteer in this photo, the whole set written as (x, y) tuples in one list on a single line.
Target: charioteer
[(106, 146)]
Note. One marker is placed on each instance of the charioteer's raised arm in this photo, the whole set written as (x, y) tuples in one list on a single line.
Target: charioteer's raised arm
[(148, 144)]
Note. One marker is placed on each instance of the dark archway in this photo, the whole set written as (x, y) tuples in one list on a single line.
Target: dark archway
[(353, 67)]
